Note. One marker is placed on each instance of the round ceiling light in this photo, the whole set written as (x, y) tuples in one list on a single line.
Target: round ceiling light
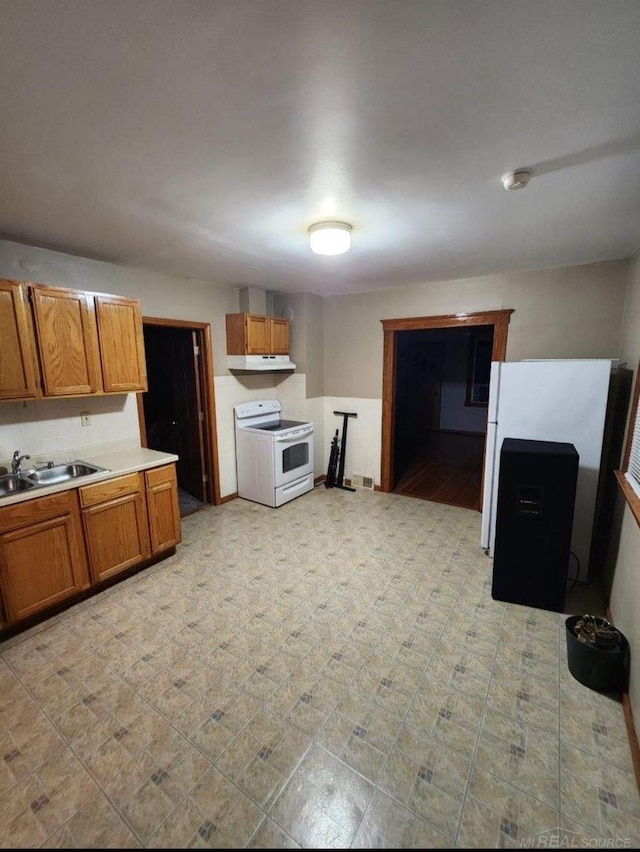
[(516, 180), (330, 237)]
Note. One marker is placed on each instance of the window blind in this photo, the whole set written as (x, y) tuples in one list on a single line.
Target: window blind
[(632, 473), (629, 475)]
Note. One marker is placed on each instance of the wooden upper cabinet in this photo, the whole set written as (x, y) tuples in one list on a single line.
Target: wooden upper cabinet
[(251, 334), (58, 342), (279, 336), (258, 337), (18, 375), (67, 341), (121, 344)]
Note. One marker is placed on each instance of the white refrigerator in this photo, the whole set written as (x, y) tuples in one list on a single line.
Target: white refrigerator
[(549, 400)]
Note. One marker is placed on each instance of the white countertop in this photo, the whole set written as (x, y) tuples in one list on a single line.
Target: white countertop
[(116, 463)]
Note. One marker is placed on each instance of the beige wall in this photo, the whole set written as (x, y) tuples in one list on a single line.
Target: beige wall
[(565, 312), (315, 345), (625, 592), (337, 342), (307, 336), (292, 306), (160, 295)]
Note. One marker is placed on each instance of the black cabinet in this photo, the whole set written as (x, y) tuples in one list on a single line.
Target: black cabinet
[(534, 517)]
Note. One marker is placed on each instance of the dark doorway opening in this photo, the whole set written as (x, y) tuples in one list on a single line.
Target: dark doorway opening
[(442, 380), (176, 411), (440, 461)]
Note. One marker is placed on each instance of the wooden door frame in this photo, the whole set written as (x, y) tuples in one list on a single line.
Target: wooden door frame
[(209, 403), (498, 319)]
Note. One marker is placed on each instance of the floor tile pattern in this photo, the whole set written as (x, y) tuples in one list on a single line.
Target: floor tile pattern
[(329, 674)]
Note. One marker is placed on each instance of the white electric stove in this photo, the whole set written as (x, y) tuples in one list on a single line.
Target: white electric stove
[(274, 456)]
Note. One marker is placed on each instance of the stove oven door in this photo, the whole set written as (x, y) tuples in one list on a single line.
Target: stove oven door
[(293, 456)]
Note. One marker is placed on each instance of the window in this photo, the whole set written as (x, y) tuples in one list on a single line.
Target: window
[(629, 476)]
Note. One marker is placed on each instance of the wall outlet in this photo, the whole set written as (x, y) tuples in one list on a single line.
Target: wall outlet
[(85, 418)]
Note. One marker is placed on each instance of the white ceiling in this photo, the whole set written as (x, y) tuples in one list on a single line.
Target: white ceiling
[(204, 137)]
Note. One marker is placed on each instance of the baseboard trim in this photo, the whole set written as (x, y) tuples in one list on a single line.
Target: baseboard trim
[(319, 479), (228, 497), (633, 737), (634, 745)]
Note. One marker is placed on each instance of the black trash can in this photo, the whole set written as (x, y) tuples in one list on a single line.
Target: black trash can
[(603, 668)]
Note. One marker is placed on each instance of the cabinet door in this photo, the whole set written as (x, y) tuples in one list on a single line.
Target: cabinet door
[(116, 535), (258, 335), (163, 507), (18, 379), (41, 565), (67, 340), (279, 336), (121, 344)]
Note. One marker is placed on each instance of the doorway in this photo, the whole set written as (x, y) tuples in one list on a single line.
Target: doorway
[(435, 392), (177, 412), (441, 413)]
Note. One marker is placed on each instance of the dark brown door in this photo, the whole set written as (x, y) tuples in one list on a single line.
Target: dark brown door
[(172, 404)]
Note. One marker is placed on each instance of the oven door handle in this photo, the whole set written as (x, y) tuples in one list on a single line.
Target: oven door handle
[(296, 436)]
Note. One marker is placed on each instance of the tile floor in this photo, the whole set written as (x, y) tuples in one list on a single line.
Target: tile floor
[(332, 673)]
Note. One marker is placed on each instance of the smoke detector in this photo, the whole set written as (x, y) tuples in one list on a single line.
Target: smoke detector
[(516, 180)]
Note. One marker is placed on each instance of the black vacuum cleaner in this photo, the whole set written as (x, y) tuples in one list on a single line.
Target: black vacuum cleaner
[(335, 471)]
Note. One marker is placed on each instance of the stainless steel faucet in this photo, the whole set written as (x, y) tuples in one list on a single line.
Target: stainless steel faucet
[(17, 461)]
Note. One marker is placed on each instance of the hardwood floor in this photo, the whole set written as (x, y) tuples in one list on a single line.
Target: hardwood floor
[(448, 469)]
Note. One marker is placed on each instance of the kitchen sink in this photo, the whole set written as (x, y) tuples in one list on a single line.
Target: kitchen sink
[(62, 472), (13, 484)]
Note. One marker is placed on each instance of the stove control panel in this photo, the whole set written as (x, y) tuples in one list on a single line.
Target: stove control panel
[(255, 409)]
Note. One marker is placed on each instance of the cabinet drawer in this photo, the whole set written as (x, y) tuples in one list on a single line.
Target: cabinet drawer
[(160, 475), (112, 488), (38, 509)]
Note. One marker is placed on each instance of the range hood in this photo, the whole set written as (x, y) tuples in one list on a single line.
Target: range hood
[(260, 363)]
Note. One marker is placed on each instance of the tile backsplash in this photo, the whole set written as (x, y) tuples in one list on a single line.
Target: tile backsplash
[(50, 426)]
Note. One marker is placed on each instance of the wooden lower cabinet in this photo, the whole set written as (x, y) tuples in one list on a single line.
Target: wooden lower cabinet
[(163, 507), (52, 548), (115, 522), (42, 558)]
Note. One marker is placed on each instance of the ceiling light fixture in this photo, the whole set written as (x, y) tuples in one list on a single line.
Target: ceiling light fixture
[(330, 237), (516, 180)]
